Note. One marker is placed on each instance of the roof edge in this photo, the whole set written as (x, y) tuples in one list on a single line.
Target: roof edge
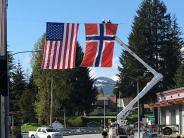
[(168, 91)]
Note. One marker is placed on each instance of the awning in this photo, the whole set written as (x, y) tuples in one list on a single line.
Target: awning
[(169, 102)]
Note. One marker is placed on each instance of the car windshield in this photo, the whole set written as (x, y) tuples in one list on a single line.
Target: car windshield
[(51, 130)]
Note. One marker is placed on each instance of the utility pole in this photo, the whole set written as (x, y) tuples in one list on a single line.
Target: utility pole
[(51, 100), (138, 109), (64, 118), (104, 111), (4, 94), (138, 112)]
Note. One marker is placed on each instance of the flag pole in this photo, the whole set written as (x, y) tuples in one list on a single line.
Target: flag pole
[(51, 98)]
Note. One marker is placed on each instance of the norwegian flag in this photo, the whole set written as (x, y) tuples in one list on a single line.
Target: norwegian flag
[(60, 46), (99, 45)]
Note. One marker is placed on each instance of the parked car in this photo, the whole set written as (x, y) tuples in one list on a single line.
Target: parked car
[(45, 132)]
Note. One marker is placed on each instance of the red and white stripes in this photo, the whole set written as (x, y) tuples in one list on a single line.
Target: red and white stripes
[(61, 54)]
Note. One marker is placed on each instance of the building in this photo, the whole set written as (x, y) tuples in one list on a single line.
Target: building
[(113, 105), (110, 105), (171, 108)]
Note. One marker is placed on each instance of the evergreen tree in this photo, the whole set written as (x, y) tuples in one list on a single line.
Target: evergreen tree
[(179, 77), (11, 69), (82, 94), (42, 79), (72, 88), (170, 55), (18, 86), (155, 38), (26, 106), (27, 100)]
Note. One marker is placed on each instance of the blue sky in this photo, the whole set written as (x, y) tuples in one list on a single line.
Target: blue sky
[(26, 22)]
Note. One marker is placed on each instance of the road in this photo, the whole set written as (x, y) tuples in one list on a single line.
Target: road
[(85, 136)]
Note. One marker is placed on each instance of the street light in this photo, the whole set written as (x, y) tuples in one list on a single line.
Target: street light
[(137, 83), (104, 109), (138, 109), (104, 97), (51, 100), (103, 104)]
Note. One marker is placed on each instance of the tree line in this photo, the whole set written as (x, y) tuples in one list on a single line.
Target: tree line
[(30, 99), (155, 37)]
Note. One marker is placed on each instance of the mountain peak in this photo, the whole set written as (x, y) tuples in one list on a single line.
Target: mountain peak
[(105, 83)]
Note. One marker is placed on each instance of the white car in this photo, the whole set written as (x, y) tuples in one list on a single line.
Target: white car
[(45, 132)]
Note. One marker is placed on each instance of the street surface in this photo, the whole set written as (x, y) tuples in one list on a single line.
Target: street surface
[(85, 136)]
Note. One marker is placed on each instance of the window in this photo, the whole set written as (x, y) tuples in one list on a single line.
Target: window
[(51, 130)]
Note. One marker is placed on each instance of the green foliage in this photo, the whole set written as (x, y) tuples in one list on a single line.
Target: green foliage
[(19, 82), (155, 38), (30, 127), (72, 89), (132, 118), (26, 102), (98, 119), (179, 76), (82, 121), (75, 121), (11, 69), (16, 129), (11, 66), (26, 106), (82, 93), (17, 87), (22, 92)]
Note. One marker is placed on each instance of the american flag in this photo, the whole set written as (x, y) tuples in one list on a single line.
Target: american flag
[(60, 46), (99, 45)]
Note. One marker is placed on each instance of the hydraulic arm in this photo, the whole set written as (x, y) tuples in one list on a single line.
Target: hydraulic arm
[(157, 77)]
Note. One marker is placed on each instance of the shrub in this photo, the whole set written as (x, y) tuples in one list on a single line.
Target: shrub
[(132, 118), (30, 127), (15, 129), (98, 119), (75, 121)]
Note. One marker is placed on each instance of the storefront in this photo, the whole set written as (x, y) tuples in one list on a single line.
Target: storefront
[(171, 108)]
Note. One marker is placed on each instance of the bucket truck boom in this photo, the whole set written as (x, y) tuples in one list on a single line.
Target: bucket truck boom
[(157, 77)]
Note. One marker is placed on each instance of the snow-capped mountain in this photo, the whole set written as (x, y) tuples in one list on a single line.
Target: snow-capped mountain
[(107, 84)]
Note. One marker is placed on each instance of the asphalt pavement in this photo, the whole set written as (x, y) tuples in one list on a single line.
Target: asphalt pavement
[(85, 136)]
